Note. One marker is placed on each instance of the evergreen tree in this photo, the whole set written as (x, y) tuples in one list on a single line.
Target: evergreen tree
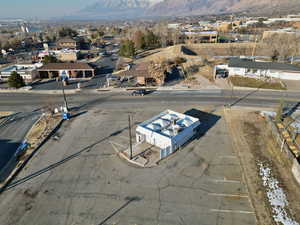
[(67, 32), (151, 40), (15, 80), (127, 48), (50, 59)]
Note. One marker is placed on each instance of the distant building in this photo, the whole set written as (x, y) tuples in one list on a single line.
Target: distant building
[(199, 37), (27, 71), (225, 27), (67, 43), (174, 25), (249, 68), (67, 56), (68, 70), (62, 55), (168, 131)]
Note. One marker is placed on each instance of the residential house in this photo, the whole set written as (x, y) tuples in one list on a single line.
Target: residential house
[(140, 72), (67, 43), (67, 55)]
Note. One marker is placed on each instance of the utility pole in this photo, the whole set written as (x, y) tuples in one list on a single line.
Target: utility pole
[(65, 98), (231, 96), (130, 141), (254, 47)]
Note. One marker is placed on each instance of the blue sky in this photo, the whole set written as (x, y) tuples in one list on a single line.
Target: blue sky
[(40, 8)]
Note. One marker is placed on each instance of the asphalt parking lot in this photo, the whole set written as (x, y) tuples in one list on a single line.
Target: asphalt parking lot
[(79, 179), (12, 133)]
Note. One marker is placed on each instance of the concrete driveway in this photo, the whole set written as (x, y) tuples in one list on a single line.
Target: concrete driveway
[(79, 179)]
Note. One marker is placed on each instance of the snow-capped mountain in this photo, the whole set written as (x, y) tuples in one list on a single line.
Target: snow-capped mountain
[(122, 9)]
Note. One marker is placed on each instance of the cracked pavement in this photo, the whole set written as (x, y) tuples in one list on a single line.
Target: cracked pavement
[(199, 185)]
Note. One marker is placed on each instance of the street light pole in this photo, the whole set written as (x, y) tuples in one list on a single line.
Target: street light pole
[(130, 141)]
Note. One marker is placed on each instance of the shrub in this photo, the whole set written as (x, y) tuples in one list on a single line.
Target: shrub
[(179, 60)]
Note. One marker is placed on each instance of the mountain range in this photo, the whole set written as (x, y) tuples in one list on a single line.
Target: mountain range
[(128, 9)]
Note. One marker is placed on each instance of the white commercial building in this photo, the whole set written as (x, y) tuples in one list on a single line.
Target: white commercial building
[(168, 131), (258, 69), (27, 71)]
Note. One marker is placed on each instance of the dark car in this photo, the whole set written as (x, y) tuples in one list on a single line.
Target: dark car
[(222, 73), (139, 92)]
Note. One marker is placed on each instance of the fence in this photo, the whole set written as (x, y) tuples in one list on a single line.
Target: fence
[(284, 148)]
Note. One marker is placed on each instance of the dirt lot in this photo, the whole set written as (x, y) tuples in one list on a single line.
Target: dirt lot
[(194, 51), (255, 83), (254, 144), (42, 129)]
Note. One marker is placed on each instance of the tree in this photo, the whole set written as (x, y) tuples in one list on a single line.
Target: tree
[(15, 80), (139, 40), (283, 46), (151, 40), (275, 55), (279, 112), (100, 33), (127, 48), (67, 32), (50, 59)]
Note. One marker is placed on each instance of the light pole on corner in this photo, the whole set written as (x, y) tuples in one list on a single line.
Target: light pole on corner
[(64, 95)]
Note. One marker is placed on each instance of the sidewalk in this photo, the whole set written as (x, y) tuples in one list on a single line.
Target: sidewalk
[(292, 85)]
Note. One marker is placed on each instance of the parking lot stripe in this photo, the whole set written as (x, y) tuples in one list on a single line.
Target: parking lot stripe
[(114, 147), (227, 156), (115, 143), (231, 211), (228, 195), (226, 181), (125, 138)]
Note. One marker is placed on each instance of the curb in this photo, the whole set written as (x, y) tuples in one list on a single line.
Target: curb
[(70, 91)]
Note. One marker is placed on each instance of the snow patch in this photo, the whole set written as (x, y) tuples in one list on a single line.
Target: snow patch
[(276, 197)]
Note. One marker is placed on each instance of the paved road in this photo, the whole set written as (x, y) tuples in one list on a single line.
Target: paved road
[(12, 134), (29, 102)]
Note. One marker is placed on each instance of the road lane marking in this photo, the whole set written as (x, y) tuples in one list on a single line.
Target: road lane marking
[(231, 211)]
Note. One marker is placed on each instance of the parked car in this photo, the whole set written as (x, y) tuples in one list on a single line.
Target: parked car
[(141, 92), (222, 73)]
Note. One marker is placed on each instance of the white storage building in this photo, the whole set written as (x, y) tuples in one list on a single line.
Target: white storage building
[(168, 131)]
